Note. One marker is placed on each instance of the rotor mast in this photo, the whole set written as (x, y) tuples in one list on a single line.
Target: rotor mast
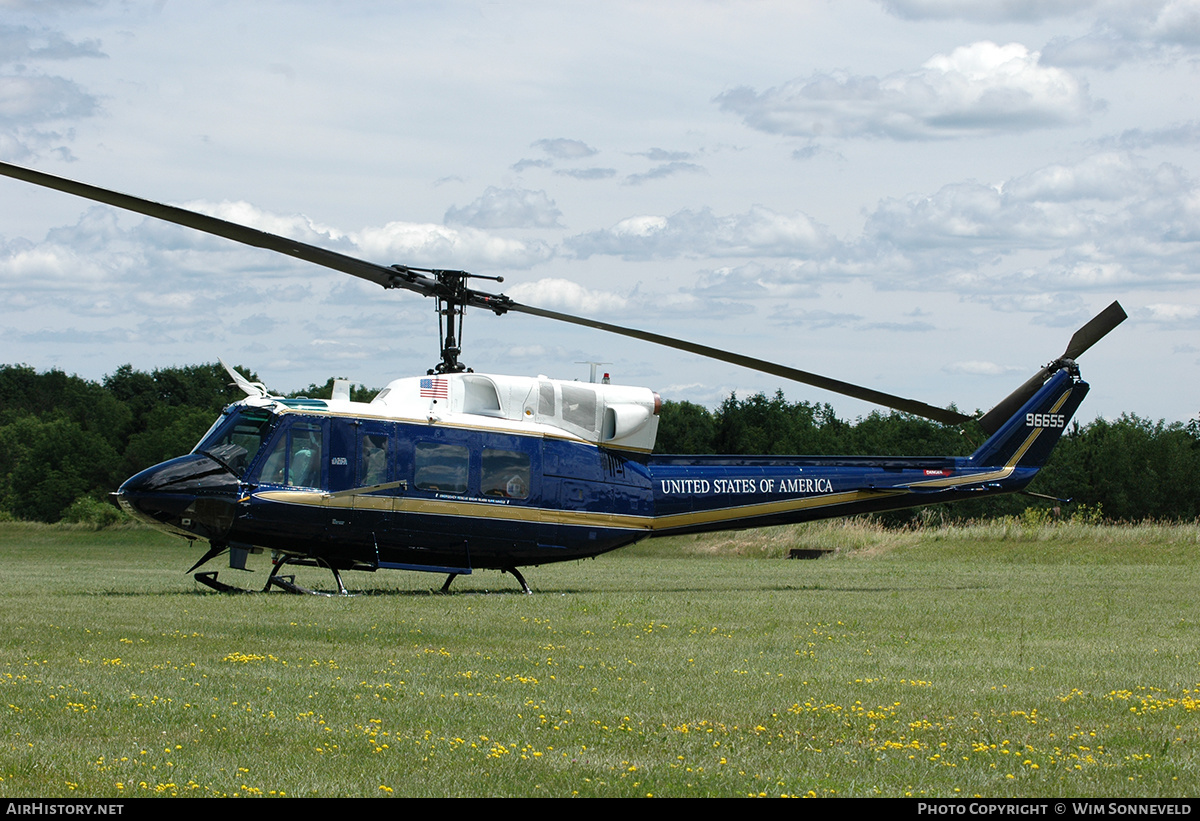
[(450, 306), (452, 297)]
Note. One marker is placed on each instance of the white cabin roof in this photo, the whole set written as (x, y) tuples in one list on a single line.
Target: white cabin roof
[(615, 416)]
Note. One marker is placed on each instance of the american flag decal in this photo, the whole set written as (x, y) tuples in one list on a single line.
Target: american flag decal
[(435, 388)]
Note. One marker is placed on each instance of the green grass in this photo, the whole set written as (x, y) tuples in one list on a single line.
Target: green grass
[(1003, 659)]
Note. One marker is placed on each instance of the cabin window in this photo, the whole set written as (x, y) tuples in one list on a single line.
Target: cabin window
[(296, 458), (505, 473), (372, 460), (441, 467)]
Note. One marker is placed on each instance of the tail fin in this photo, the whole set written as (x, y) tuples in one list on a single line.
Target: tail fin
[(1030, 434), (1087, 336)]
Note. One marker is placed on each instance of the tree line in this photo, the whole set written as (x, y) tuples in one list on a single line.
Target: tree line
[(66, 442), (1127, 469)]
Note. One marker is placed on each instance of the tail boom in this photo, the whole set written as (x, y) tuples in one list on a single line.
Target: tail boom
[(695, 494)]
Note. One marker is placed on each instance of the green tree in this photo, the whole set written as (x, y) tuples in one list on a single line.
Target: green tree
[(684, 427), (169, 432), (358, 393), (59, 462), (1132, 468)]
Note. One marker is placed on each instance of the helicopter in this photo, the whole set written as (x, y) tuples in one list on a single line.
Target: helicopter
[(454, 471)]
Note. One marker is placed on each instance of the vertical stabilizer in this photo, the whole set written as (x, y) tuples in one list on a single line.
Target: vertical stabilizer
[(1030, 434)]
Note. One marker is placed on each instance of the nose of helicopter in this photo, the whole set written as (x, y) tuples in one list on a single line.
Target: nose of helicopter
[(194, 496)]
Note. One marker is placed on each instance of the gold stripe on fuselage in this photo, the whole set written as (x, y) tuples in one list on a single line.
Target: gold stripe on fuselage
[(575, 518), (457, 507), (677, 520)]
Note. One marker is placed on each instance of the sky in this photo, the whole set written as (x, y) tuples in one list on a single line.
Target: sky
[(926, 197)]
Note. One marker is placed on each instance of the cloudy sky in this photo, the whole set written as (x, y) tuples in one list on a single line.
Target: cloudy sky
[(923, 196)]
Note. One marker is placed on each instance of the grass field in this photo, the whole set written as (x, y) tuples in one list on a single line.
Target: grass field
[(1010, 659)]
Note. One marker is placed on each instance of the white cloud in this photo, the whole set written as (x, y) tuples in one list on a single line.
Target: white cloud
[(979, 89), (1185, 134), (569, 297), (25, 100), (521, 165), (1132, 31), (22, 43), (32, 100), (753, 280), (46, 267), (432, 245), (760, 231), (562, 148), (971, 215), (640, 226), (507, 208), (1106, 220), (817, 318), (1105, 176), (587, 173), (1170, 313), (663, 155), (292, 226), (972, 367), (663, 171), (986, 11)]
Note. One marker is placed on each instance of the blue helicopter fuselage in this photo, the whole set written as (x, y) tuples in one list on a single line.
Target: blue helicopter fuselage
[(355, 486)]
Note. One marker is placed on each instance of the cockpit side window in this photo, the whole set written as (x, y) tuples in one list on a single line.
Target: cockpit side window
[(372, 463), (235, 438), (296, 458)]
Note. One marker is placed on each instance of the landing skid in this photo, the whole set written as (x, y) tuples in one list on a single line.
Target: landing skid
[(284, 583), (516, 574), (288, 583), (210, 579)]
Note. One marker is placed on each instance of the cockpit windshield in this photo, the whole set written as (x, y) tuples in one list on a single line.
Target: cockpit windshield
[(236, 437)]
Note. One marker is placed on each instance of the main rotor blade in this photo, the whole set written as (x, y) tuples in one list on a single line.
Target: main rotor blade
[(837, 386), (378, 274), (410, 279), (1006, 407)]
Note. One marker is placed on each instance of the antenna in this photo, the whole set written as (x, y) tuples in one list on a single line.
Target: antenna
[(594, 365)]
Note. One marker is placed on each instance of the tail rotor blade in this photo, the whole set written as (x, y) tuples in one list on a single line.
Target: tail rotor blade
[(1087, 336), (1095, 330)]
